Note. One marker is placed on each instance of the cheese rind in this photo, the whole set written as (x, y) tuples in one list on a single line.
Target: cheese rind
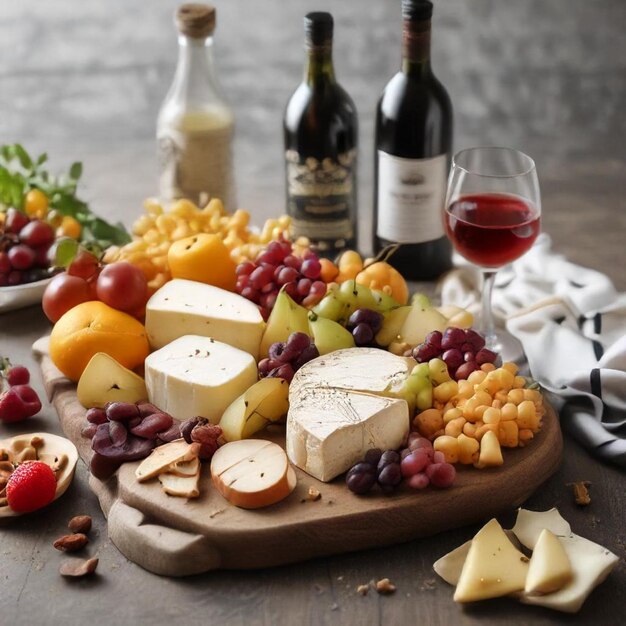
[(493, 567), (368, 370), (329, 430), (197, 376), (550, 569), (185, 307)]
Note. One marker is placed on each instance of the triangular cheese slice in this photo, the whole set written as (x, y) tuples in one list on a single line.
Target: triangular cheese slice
[(493, 567), (549, 569)]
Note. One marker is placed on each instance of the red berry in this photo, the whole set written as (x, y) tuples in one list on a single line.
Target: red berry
[(31, 486), (18, 375), (18, 403)]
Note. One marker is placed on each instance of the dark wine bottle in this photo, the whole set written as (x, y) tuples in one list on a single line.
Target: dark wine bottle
[(413, 148), (320, 129)]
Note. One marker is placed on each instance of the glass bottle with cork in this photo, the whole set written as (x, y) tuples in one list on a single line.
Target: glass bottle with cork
[(412, 156), (320, 132), (195, 127)]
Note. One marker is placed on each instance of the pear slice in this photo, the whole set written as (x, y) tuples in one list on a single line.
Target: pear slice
[(329, 336), (286, 317), (105, 380), (161, 458)]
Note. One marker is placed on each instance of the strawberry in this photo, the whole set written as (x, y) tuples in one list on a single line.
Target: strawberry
[(18, 375), (18, 403), (31, 486)]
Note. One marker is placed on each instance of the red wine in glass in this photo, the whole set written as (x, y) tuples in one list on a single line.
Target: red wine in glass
[(492, 229)]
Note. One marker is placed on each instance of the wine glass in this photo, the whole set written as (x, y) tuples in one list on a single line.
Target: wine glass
[(492, 217)]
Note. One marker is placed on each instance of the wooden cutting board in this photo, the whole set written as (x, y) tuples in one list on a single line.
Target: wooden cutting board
[(177, 537)]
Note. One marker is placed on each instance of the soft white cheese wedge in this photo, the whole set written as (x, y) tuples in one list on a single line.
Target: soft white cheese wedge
[(198, 376), (550, 569), (494, 567), (185, 307), (329, 430), (368, 370)]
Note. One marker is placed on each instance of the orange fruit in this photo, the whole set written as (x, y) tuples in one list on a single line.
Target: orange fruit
[(93, 327), (203, 258)]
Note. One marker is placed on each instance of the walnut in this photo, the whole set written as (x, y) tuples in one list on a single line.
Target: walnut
[(207, 435), (385, 586)]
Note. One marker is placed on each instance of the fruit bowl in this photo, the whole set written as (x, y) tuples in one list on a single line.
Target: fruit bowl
[(20, 296)]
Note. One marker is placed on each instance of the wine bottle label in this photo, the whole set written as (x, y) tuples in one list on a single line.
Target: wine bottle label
[(411, 195), (321, 196), (196, 163)]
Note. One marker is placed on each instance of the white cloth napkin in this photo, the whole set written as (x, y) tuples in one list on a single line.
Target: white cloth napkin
[(572, 325)]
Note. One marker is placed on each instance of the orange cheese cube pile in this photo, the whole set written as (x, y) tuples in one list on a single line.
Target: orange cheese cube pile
[(491, 401), (156, 230)]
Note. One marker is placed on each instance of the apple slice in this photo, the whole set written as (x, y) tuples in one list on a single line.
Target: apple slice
[(163, 457), (286, 317), (252, 473), (105, 380), (181, 486)]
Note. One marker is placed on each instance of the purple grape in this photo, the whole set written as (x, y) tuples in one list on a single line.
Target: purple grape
[(147, 408), (439, 457), (468, 356), (452, 338), (474, 338), (264, 367), (387, 457), (366, 316), (434, 339), (453, 358), (295, 345), (467, 347), (308, 354), (276, 351), (372, 456), (118, 434), (361, 478), (441, 475), (404, 453), (89, 430), (390, 475), (136, 421), (414, 463), (425, 352), (465, 370), (485, 356), (103, 467), (152, 425), (96, 416), (363, 334), (121, 411), (171, 434), (188, 425), (284, 371), (418, 481)]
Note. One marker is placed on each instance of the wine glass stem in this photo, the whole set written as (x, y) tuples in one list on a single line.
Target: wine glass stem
[(486, 314)]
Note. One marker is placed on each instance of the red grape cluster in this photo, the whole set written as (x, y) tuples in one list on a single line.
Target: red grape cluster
[(24, 246), (287, 357), (121, 285), (20, 400), (364, 324), (462, 350), (275, 268), (418, 464), (122, 432)]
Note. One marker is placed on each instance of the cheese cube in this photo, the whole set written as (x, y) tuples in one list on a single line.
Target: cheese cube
[(185, 307), (198, 376), (329, 430)]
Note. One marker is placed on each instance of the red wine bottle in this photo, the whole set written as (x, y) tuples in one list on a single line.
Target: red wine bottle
[(320, 132), (413, 149)]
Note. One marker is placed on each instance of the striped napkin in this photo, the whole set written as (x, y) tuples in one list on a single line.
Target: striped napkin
[(571, 323)]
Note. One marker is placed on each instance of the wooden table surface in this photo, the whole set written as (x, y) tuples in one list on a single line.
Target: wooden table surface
[(81, 81)]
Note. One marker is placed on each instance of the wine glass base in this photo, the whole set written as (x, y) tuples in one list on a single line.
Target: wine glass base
[(508, 347)]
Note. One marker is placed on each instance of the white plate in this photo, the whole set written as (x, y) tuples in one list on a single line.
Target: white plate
[(19, 296)]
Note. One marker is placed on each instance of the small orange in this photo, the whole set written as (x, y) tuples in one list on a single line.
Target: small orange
[(93, 327), (203, 258), (69, 227), (329, 270), (384, 277), (36, 204)]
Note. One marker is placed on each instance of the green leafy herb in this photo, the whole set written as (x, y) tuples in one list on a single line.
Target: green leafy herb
[(19, 173)]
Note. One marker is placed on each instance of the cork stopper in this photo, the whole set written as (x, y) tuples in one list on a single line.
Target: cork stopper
[(196, 20)]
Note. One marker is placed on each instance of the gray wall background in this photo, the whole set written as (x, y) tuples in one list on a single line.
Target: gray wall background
[(83, 79)]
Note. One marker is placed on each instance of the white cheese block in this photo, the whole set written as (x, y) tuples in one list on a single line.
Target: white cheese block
[(329, 430), (198, 376), (493, 567), (550, 569), (368, 370), (185, 307), (530, 524)]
